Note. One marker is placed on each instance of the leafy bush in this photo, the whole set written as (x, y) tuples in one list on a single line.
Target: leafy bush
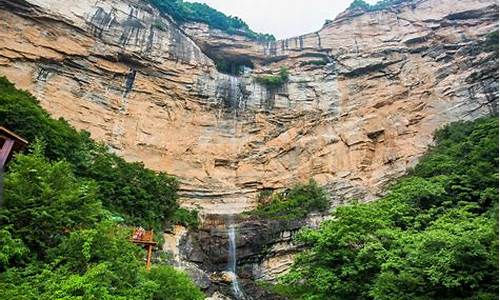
[(12, 250), (314, 62), (173, 285), (45, 200), (96, 263), (187, 218), (142, 196), (295, 203), (182, 11), (274, 81), (434, 236), (158, 24)]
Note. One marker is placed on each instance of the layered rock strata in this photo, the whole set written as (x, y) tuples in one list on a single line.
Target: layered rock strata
[(364, 96)]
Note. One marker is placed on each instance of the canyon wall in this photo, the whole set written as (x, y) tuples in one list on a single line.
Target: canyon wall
[(364, 95)]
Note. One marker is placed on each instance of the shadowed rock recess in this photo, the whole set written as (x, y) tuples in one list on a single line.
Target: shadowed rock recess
[(363, 97)]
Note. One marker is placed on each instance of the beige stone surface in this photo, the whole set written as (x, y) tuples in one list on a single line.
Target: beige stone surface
[(391, 79)]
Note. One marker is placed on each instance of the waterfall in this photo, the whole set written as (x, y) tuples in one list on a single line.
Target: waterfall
[(230, 92), (235, 285)]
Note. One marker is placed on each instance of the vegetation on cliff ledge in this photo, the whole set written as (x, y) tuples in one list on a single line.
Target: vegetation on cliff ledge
[(182, 11), (293, 204), (58, 234), (434, 236), (274, 81)]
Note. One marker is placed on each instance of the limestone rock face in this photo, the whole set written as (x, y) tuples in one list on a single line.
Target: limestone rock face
[(364, 95)]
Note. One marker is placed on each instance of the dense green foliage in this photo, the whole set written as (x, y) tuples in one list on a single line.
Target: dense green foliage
[(141, 196), (57, 241), (434, 236), (43, 200), (183, 11), (293, 204), (274, 81), (382, 4), (187, 218)]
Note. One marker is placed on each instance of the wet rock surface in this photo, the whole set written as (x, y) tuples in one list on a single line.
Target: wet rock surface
[(264, 250)]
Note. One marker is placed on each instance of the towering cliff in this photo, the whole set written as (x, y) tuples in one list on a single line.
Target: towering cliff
[(363, 96)]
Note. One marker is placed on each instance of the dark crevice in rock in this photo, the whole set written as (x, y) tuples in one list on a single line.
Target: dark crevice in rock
[(129, 81)]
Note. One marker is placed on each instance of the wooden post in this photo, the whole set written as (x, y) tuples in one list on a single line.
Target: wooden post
[(4, 155), (5, 151), (145, 238), (10, 143), (148, 261)]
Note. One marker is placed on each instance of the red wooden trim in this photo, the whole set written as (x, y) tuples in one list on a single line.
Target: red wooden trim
[(9, 134)]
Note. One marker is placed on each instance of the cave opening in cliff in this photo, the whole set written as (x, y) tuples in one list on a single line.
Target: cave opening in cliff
[(230, 63), (233, 66)]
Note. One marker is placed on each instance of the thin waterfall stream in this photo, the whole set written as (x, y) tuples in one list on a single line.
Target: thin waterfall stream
[(234, 98), (235, 285)]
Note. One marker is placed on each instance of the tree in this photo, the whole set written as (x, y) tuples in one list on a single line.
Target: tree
[(56, 239), (44, 201), (97, 263), (182, 11)]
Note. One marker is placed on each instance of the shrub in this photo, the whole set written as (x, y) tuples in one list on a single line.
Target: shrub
[(96, 263), (158, 24), (173, 285), (274, 81), (43, 201), (295, 203), (491, 42), (382, 4), (187, 218), (314, 62)]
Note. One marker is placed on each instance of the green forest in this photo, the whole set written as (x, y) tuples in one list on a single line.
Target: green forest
[(433, 236), (183, 11), (68, 207)]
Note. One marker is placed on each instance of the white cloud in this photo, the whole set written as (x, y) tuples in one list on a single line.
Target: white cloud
[(283, 18)]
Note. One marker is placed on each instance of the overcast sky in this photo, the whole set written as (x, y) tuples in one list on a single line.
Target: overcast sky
[(283, 18)]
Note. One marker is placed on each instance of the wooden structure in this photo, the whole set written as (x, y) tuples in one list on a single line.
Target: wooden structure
[(144, 238), (9, 143)]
